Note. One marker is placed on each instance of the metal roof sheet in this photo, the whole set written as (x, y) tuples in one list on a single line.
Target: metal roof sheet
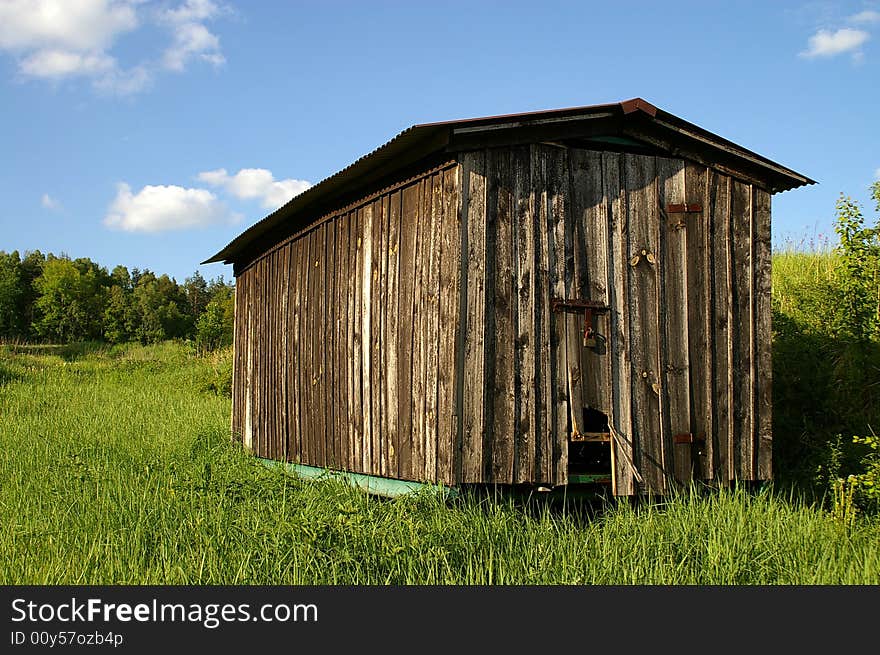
[(421, 140)]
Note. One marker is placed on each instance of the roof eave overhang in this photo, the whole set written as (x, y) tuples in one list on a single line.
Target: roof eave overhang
[(634, 119)]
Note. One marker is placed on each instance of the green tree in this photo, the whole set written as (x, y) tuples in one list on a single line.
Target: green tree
[(70, 304), (161, 308), (197, 295), (214, 328), (11, 296)]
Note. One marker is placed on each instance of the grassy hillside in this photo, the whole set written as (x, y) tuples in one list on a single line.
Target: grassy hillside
[(116, 467)]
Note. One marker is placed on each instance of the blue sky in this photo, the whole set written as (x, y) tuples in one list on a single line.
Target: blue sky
[(150, 133)]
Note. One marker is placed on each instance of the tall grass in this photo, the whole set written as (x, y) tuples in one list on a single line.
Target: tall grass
[(116, 467)]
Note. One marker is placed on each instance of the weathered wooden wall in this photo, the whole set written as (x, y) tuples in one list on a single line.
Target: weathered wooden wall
[(683, 351), (360, 342), (345, 337)]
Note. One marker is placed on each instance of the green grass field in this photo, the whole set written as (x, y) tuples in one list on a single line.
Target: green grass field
[(117, 467)]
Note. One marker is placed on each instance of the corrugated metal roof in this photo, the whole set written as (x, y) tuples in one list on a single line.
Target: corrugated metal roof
[(420, 141)]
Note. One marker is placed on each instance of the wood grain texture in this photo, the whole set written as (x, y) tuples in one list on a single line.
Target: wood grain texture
[(722, 312), (408, 226), (624, 468), (432, 327), (375, 369), (700, 323), (545, 426), (643, 223), (391, 336), (449, 265), (418, 340), (593, 250), (743, 345), (560, 273), (473, 410), (674, 312), (501, 306), (763, 335)]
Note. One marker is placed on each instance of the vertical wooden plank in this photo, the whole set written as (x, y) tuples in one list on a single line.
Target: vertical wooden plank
[(762, 331), (250, 368), (450, 263), (502, 306), (643, 222), (699, 289), (381, 421), (271, 353), (391, 336), (366, 336), (675, 337), (282, 345), (432, 334), (378, 208), (340, 399), (422, 228), (296, 282), (743, 386), (544, 374), (354, 344), (314, 310), (238, 371), (259, 385), (560, 274), (526, 389), (321, 325), (590, 213), (473, 409), (624, 474), (407, 259), (722, 310), (331, 447)]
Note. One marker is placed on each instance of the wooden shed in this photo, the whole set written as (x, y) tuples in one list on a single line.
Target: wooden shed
[(550, 298)]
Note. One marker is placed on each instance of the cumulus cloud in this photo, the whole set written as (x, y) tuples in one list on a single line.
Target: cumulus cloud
[(867, 16), (877, 174), (826, 43), (71, 25), (250, 183), (163, 208), (60, 39), (49, 202), (191, 39)]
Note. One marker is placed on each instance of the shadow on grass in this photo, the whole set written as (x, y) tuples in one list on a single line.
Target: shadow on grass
[(69, 352)]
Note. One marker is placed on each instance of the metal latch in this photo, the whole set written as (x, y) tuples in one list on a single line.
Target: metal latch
[(682, 208), (588, 307)]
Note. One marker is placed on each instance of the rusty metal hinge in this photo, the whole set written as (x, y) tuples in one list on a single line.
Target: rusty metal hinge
[(687, 437), (684, 208)]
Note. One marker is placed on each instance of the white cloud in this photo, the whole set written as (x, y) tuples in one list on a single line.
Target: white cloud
[(71, 25), (191, 38), (62, 63), (826, 43), (867, 16), (59, 39), (49, 202), (251, 183), (163, 208), (877, 174)]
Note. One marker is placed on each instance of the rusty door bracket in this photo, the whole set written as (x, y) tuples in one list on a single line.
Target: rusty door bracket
[(687, 437), (678, 222), (578, 306)]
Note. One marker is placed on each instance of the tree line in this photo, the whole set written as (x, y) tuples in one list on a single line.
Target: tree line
[(57, 299)]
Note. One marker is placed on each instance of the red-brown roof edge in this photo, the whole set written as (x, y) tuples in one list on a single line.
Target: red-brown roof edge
[(423, 134)]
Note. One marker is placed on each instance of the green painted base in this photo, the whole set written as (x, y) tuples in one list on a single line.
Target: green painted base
[(589, 478), (388, 487)]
